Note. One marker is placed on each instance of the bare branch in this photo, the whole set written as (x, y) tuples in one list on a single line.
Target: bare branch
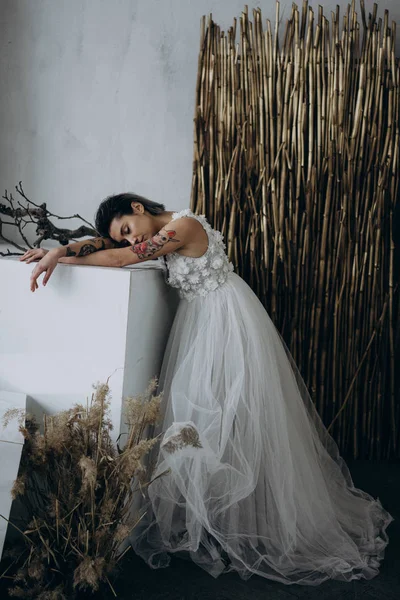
[(8, 253), (39, 216)]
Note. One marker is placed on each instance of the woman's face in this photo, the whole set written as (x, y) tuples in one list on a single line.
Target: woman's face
[(134, 228)]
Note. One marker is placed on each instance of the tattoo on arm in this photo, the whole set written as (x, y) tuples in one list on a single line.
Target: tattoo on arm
[(158, 241), (89, 247)]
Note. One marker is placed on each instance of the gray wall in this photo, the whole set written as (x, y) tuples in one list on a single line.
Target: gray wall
[(97, 96)]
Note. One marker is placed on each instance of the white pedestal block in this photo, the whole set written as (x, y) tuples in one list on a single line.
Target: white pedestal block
[(11, 442), (87, 324)]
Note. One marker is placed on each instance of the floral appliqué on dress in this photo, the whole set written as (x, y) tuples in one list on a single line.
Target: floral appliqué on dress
[(197, 276)]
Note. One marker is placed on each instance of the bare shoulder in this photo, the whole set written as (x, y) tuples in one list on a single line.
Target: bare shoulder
[(195, 237), (181, 226)]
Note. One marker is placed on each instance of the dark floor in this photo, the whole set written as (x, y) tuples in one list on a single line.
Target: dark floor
[(184, 580)]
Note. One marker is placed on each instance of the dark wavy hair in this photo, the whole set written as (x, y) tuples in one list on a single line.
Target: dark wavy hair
[(119, 205)]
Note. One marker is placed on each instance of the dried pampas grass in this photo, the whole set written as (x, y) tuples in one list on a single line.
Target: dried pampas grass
[(77, 488)]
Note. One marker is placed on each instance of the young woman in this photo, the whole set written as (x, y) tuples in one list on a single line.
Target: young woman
[(255, 483)]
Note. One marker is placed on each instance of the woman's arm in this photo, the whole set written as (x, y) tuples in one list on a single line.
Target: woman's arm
[(86, 247), (75, 249), (108, 258), (167, 240), (72, 253)]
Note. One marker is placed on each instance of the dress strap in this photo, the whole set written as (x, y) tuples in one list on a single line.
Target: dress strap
[(187, 212)]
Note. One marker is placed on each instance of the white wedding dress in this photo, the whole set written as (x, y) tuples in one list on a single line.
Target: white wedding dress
[(256, 483)]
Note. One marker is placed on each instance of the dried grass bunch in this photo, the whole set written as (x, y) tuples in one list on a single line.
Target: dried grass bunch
[(77, 487)]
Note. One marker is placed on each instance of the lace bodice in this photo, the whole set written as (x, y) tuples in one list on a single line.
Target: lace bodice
[(197, 276)]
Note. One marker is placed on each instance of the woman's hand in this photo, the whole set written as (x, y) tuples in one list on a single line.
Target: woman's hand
[(46, 265), (33, 255)]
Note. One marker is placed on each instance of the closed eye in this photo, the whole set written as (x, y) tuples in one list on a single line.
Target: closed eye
[(124, 231)]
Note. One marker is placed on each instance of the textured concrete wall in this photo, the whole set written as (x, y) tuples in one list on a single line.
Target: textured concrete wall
[(97, 96)]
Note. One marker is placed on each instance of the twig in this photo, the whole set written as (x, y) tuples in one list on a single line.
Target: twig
[(39, 216)]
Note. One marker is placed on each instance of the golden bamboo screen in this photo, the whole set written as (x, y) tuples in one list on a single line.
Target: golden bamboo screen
[(296, 161)]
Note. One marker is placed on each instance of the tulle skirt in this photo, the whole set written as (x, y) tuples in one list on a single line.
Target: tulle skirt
[(255, 483)]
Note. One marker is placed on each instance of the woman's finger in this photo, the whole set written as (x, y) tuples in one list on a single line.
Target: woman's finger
[(35, 274), (47, 276)]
